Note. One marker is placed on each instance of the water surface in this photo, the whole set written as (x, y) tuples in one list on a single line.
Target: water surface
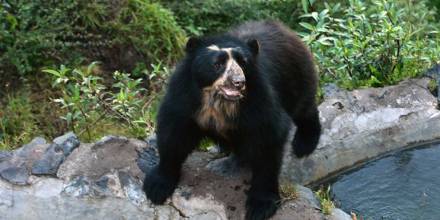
[(404, 185)]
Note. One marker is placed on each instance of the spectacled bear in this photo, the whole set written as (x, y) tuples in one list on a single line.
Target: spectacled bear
[(242, 89)]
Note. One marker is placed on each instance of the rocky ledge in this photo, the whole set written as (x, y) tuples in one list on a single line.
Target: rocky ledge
[(363, 124), (71, 180)]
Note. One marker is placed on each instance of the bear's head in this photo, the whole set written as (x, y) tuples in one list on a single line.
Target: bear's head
[(221, 65)]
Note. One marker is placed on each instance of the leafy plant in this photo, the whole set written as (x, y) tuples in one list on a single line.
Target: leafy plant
[(88, 100), (324, 198), (371, 43)]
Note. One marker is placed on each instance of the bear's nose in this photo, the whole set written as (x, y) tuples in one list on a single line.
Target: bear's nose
[(238, 81)]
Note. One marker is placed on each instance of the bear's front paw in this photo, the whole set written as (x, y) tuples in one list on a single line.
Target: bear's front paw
[(303, 145), (158, 187), (261, 207)]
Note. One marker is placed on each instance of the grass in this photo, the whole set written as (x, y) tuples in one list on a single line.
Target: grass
[(18, 124), (205, 144), (432, 86), (324, 198), (288, 191), (102, 128)]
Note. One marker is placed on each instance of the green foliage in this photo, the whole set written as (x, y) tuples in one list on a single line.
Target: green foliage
[(89, 101), (199, 17), (373, 42), (433, 87), (17, 122), (435, 4), (151, 29), (324, 198), (205, 144), (120, 33)]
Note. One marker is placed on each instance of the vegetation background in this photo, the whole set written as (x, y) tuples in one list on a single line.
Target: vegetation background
[(99, 66)]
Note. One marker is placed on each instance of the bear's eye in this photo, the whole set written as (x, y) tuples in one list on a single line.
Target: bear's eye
[(240, 59), (220, 61), (218, 66)]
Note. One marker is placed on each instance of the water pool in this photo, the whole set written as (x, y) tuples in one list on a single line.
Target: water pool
[(404, 185)]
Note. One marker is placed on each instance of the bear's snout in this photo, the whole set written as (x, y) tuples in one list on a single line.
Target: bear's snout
[(238, 81)]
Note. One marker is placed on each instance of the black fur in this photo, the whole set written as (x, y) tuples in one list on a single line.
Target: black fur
[(281, 85)]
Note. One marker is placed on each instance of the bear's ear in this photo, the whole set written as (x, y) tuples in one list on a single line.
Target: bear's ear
[(254, 46), (192, 44)]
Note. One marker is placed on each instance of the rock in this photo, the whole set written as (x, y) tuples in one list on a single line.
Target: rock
[(132, 189), (215, 149), (308, 195), (110, 184), (167, 213), (39, 187), (67, 143), (227, 166), (434, 73), (298, 210), (95, 160), (44, 187), (5, 155), (15, 165), (15, 174), (83, 187), (194, 206), (32, 149), (55, 155), (50, 162), (330, 90), (151, 141), (363, 124), (24, 203), (338, 214)]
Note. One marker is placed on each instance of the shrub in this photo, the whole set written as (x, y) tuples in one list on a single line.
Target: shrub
[(120, 33), (199, 17), (436, 4), (373, 42), (88, 101)]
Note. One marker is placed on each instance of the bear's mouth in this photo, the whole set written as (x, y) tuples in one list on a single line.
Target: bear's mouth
[(230, 93)]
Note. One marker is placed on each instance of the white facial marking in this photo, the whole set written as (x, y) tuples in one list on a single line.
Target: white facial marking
[(214, 47), (228, 50)]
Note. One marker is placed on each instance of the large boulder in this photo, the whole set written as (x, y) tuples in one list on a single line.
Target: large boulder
[(95, 160), (55, 154)]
